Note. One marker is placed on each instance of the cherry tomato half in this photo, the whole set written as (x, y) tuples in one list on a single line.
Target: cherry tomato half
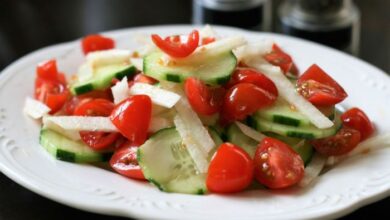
[(257, 78), (203, 99), (355, 118), (207, 40), (279, 58), (97, 140), (132, 117), (124, 161), (53, 93), (75, 101), (174, 47), (230, 170), (95, 42), (319, 88), (277, 165), (343, 142), (244, 99), (48, 70)]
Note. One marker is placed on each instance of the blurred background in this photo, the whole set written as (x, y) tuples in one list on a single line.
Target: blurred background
[(359, 27), (26, 25)]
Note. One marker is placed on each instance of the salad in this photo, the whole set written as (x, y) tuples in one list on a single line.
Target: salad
[(198, 113)]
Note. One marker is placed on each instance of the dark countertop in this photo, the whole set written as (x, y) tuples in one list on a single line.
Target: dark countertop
[(27, 25)]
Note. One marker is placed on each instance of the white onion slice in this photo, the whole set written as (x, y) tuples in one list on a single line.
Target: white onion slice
[(35, 109), (313, 170), (250, 132), (159, 96)]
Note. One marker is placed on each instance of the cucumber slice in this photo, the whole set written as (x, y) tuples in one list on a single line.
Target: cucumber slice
[(235, 136), (305, 150), (167, 164), (101, 78), (283, 113), (308, 132), (215, 71), (65, 149)]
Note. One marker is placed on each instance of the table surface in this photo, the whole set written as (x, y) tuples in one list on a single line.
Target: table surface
[(27, 25)]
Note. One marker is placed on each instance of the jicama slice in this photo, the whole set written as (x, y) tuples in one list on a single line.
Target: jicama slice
[(198, 155), (194, 124), (80, 123), (35, 109), (108, 57), (253, 50), (138, 63), (120, 91), (288, 92), (313, 170), (211, 50), (71, 134), (85, 72), (159, 96), (207, 31), (70, 125), (158, 123), (250, 132)]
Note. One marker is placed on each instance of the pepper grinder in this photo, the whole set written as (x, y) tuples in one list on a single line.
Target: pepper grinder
[(335, 23), (248, 14)]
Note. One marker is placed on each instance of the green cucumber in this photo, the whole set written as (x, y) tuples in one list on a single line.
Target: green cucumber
[(308, 132), (216, 71), (101, 78), (166, 163), (284, 113), (65, 149), (235, 136)]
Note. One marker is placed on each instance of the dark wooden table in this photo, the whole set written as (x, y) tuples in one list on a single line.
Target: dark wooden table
[(26, 25)]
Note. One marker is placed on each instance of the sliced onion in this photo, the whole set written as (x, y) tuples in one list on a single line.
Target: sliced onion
[(198, 155), (159, 96), (35, 109), (120, 91), (194, 125), (313, 170), (250, 132)]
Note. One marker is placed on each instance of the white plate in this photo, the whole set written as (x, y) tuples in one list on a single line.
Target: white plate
[(350, 185)]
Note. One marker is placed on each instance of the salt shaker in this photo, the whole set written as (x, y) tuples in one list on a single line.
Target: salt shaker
[(335, 23), (248, 14)]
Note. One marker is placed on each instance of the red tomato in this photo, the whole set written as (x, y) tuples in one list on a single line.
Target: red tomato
[(132, 117), (173, 45), (48, 70), (97, 140), (203, 99), (230, 170), (277, 165), (355, 118), (53, 93), (95, 42), (319, 88), (207, 40), (142, 78), (343, 142), (95, 107), (244, 99), (279, 58), (248, 75), (73, 102), (124, 161)]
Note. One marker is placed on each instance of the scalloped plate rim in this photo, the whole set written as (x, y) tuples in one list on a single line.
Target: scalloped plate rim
[(34, 186)]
